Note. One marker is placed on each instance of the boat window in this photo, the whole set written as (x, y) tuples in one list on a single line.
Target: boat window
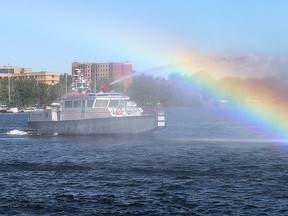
[(122, 103), (68, 104), (90, 103), (76, 103), (113, 103), (83, 103), (101, 103)]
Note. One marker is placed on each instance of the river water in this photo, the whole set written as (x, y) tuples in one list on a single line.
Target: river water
[(204, 162)]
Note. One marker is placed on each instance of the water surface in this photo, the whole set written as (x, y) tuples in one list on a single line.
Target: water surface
[(204, 163)]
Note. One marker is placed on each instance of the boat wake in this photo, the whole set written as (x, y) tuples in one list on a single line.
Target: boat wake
[(16, 132)]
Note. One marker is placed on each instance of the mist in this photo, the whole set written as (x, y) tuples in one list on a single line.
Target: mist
[(240, 65)]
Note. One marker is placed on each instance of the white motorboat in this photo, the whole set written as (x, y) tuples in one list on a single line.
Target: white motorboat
[(83, 112), (12, 110)]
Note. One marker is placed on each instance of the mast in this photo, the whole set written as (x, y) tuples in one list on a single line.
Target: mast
[(66, 77), (9, 89), (95, 79)]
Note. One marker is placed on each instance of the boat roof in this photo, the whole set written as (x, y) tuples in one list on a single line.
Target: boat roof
[(102, 95)]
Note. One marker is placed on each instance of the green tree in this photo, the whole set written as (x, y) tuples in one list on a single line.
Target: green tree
[(26, 91)]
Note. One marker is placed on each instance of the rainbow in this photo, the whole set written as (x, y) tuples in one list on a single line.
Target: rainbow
[(270, 121), (265, 120)]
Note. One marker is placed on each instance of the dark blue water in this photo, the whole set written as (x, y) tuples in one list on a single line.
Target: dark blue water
[(206, 162)]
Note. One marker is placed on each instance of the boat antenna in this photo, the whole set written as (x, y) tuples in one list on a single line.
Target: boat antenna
[(80, 84)]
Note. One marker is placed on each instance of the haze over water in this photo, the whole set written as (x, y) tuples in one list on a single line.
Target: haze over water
[(203, 163)]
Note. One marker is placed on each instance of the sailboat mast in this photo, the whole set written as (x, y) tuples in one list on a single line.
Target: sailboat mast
[(95, 78), (66, 90), (9, 90)]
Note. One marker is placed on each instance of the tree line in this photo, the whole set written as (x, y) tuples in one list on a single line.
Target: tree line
[(201, 88), (175, 90), (29, 92)]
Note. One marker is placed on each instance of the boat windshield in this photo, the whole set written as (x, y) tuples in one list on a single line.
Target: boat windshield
[(101, 103), (117, 103), (113, 103), (122, 103)]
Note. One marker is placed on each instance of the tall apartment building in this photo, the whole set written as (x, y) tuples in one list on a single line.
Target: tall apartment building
[(109, 72), (49, 78)]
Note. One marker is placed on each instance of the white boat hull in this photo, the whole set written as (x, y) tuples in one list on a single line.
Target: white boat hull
[(112, 125)]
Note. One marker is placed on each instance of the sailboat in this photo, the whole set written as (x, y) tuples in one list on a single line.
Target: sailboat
[(12, 109)]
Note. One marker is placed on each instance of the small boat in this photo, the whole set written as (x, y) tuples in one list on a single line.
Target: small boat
[(12, 110), (83, 112), (3, 108), (29, 109)]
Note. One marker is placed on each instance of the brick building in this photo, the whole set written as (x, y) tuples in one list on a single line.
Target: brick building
[(107, 72)]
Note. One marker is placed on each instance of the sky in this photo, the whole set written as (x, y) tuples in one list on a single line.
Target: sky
[(243, 38)]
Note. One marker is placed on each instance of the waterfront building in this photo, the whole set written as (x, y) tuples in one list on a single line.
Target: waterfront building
[(49, 78)]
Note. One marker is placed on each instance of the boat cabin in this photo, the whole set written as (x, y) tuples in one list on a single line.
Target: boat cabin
[(81, 104), (99, 105)]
